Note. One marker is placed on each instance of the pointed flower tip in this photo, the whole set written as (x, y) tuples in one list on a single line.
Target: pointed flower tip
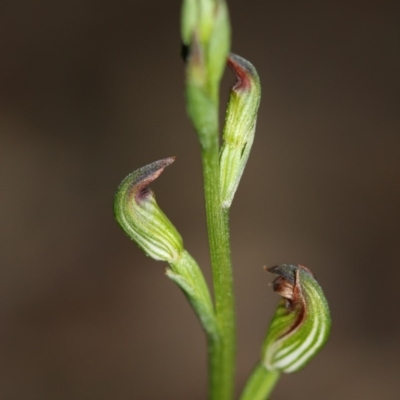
[(138, 214), (244, 71), (301, 324), (140, 179)]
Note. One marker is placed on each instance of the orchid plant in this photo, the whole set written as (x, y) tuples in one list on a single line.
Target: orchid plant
[(301, 324)]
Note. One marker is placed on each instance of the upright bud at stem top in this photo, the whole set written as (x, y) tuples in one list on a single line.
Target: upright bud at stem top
[(207, 22), (140, 217), (301, 324), (240, 125), (206, 38)]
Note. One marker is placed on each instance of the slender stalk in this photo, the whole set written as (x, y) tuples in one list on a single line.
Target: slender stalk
[(260, 384), (222, 355), (206, 33)]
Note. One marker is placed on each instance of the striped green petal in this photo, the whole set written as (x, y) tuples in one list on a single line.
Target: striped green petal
[(138, 214), (240, 126)]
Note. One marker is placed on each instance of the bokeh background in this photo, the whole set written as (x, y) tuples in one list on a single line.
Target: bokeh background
[(91, 90)]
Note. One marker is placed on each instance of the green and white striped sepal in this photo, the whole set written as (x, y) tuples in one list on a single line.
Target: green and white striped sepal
[(240, 126), (301, 324), (138, 214)]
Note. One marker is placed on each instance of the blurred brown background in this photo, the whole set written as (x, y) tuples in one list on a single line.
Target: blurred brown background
[(91, 90)]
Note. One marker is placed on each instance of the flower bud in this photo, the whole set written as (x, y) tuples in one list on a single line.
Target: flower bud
[(208, 22), (138, 214), (301, 324), (206, 40), (240, 125)]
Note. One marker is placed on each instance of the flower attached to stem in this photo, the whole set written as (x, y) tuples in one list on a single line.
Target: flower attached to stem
[(205, 32), (138, 214), (240, 125)]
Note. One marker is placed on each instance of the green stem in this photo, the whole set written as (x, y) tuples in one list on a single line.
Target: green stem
[(222, 355), (260, 384)]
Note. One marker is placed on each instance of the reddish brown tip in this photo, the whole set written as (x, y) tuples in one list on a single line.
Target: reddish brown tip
[(243, 70), (143, 177)]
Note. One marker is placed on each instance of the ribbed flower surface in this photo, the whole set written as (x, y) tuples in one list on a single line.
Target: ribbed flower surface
[(301, 324), (240, 125), (138, 214)]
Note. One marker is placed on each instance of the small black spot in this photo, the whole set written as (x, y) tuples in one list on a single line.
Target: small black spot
[(185, 50)]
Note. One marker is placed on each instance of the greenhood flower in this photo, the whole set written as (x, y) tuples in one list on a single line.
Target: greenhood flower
[(240, 125), (301, 324), (138, 214)]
